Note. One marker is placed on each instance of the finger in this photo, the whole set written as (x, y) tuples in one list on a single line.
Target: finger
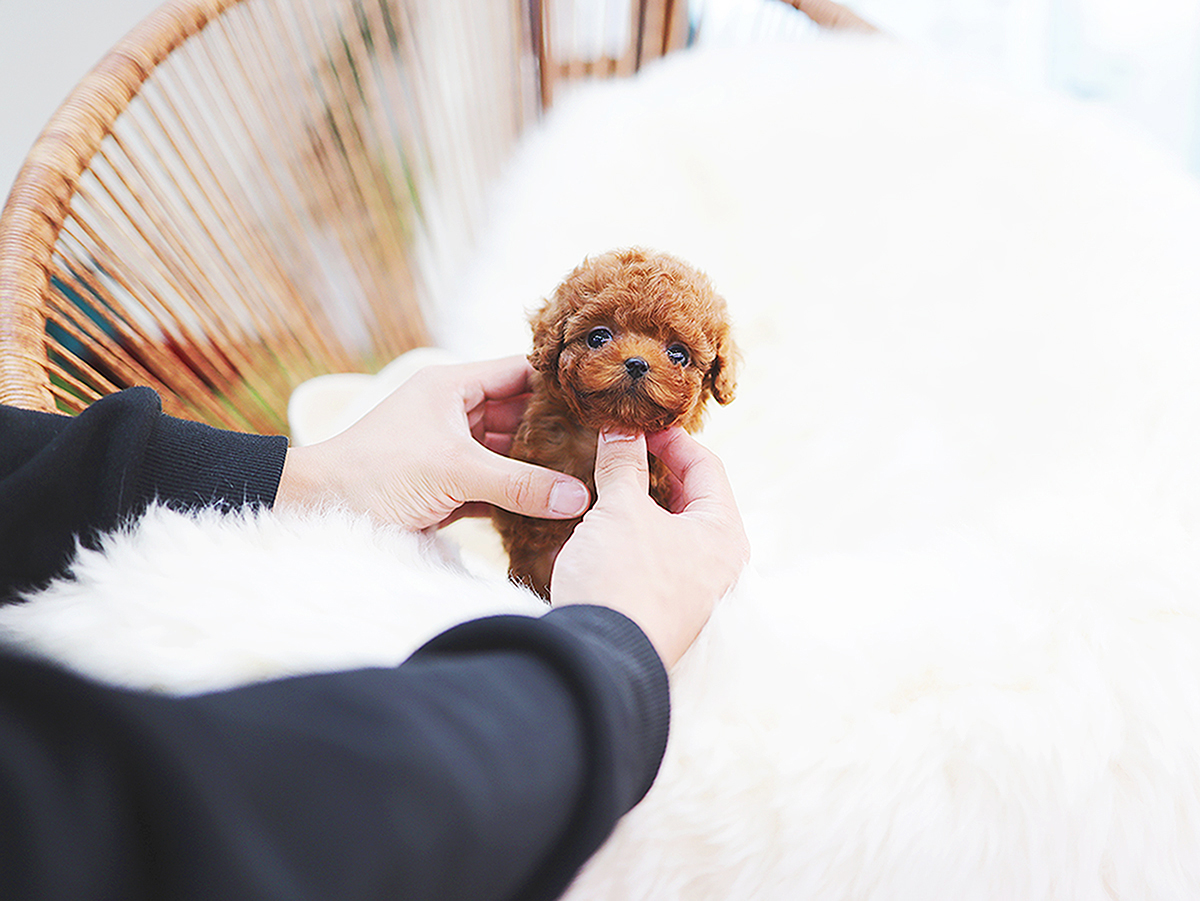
[(474, 509), (701, 474), (676, 497), (496, 417), (504, 415), (621, 460), (495, 380), (498, 444), (521, 487), (674, 489)]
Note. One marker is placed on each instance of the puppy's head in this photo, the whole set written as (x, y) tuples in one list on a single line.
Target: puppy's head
[(636, 339)]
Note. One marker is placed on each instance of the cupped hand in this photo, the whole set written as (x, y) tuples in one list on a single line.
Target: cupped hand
[(432, 451), (664, 569)]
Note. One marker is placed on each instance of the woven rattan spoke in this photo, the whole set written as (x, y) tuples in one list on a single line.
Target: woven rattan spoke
[(232, 196), (229, 343), (127, 351), (241, 271), (171, 332)]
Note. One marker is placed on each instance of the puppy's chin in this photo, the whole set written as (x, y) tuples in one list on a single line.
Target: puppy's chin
[(632, 413), (628, 405)]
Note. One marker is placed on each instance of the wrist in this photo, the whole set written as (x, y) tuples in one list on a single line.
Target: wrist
[(300, 483)]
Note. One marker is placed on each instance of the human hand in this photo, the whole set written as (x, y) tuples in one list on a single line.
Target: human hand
[(665, 570), (432, 451)]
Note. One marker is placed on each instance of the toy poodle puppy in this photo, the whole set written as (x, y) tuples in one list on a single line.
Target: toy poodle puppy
[(633, 340)]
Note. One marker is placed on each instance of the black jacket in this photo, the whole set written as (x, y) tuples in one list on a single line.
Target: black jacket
[(490, 765)]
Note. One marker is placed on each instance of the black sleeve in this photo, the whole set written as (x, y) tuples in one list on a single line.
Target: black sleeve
[(65, 478), (488, 766)]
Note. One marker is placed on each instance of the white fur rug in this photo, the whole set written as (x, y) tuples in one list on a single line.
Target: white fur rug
[(966, 662)]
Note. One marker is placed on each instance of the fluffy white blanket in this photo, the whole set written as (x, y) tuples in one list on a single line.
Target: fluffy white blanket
[(966, 662)]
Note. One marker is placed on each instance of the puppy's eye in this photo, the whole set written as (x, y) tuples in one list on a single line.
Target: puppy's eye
[(598, 337), (678, 354)]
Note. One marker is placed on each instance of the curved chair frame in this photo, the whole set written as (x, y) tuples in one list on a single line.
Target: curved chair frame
[(42, 193)]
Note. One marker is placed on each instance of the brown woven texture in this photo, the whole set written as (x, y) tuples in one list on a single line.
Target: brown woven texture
[(247, 193)]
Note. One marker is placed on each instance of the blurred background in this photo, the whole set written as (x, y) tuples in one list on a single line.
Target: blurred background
[(1140, 60)]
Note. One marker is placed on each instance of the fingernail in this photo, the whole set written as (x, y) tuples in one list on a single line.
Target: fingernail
[(617, 435), (568, 498)]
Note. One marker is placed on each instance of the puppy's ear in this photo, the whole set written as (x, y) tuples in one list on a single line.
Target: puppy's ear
[(547, 336), (721, 377)]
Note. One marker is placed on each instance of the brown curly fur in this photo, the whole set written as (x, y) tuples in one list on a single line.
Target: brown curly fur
[(651, 303)]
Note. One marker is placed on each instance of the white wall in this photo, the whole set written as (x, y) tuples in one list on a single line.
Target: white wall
[(46, 46), (1138, 58)]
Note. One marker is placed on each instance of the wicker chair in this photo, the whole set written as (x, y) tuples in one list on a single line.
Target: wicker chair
[(247, 193)]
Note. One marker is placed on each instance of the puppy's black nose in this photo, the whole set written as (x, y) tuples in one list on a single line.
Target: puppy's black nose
[(636, 367)]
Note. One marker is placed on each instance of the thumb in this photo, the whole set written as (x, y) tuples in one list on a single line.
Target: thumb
[(522, 487), (621, 459)]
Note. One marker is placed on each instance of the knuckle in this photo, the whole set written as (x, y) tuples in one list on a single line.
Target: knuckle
[(608, 469), (522, 490), (622, 464)]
